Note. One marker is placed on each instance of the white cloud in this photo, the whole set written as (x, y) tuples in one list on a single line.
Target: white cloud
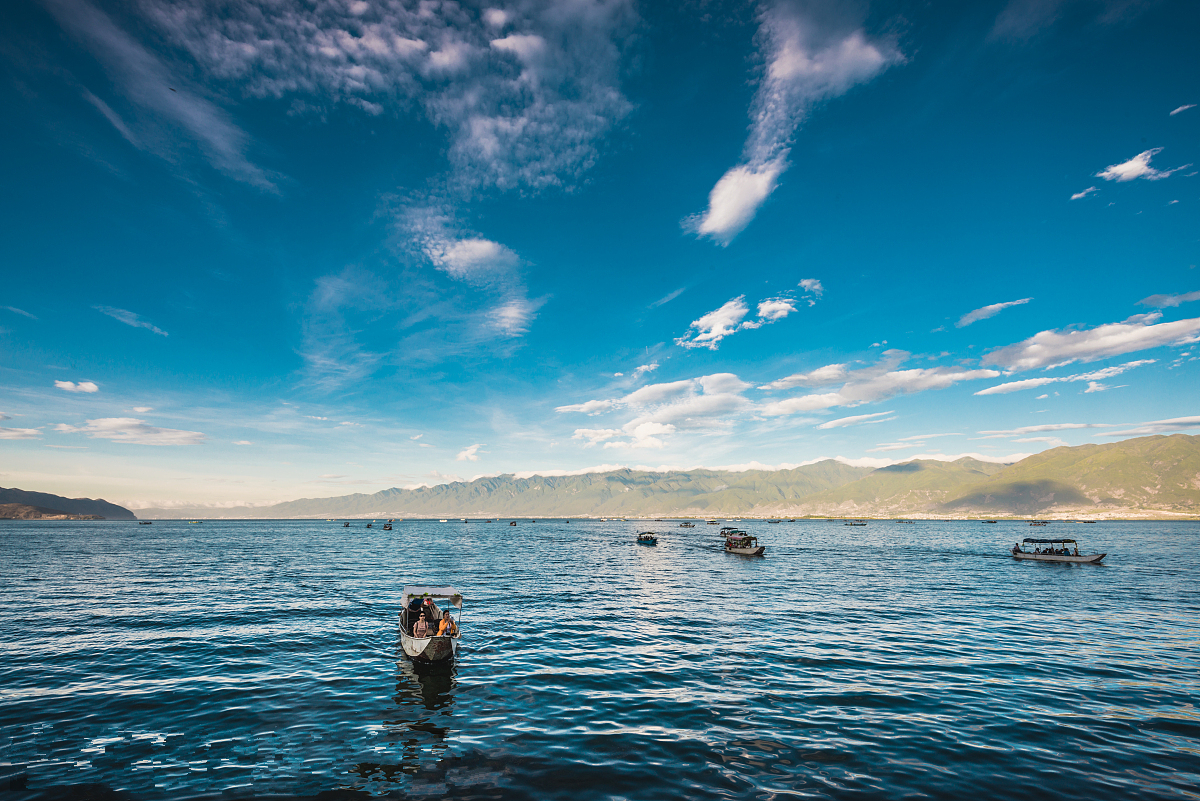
[(19, 433), (1138, 167), (594, 435), (869, 384), (812, 286), (242, 442), (1084, 193), (143, 409), (592, 407), (858, 419), (1025, 430), (416, 437), (469, 453), (1093, 376), (1052, 441), (133, 431), (1042, 397), (1094, 386), (1168, 301), (658, 393), (1182, 108), (1173, 425), (822, 376), (82, 386), (644, 369), (930, 436), (1057, 348), (985, 312), (804, 64), (21, 312), (883, 447), (129, 318), (667, 298), (710, 329)]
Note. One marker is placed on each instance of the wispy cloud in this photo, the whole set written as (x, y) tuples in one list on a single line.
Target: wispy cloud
[(82, 386), (1182, 109), (984, 312), (813, 290), (524, 92), (805, 62), (129, 318), (133, 431), (19, 433), (1027, 430), (1172, 426), (1168, 301), (1084, 193), (469, 453), (1062, 347), (21, 312), (667, 298), (857, 420), (1093, 376), (643, 369), (163, 99), (866, 385), (1138, 167)]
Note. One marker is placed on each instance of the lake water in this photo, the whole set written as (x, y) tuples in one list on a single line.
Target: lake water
[(889, 661)]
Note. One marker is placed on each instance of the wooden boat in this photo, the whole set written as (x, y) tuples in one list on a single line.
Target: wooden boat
[(687, 525), (739, 542), (430, 649), (647, 538), (1053, 553), (774, 521)]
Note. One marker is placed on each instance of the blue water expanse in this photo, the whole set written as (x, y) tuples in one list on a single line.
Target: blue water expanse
[(889, 661)]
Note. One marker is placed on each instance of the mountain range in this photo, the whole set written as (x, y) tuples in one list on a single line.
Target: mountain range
[(48, 504), (1157, 476)]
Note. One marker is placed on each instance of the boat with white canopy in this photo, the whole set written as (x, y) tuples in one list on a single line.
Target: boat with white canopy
[(1053, 550), (739, 542), (422, 602)]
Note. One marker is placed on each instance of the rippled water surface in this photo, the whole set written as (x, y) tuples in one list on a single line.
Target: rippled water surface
[(255, 658)]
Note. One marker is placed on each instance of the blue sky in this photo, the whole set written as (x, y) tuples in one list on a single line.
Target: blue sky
[(256, 252)]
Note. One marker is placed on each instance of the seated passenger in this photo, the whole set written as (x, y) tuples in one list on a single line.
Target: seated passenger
[(447, 627), (424, 626)]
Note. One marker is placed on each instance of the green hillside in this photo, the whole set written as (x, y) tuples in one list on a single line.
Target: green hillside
[(1159, 473), (1140, 477)]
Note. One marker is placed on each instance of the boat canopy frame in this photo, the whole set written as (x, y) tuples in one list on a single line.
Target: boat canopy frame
[(420, 591), (1038, 541)]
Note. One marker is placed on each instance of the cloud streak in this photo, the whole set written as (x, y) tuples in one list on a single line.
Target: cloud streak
[(132, 431), (1057, 348), (1138, 167), (710, 329), (985, 312), (129, 318), (83, 386), (1092, 377), (804, 64)]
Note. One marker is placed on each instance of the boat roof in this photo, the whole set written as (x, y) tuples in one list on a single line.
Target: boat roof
[(1040, 541), (427, 591)]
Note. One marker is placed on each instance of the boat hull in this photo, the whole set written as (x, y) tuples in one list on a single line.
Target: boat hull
[(1086, 559), (759, 551), (430, 649)]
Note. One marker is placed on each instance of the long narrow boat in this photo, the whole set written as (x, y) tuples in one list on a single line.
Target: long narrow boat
[(1053, 553), (434, 648)]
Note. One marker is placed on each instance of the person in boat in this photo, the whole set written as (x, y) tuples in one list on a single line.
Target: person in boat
[(447, 627), (435, 612), (424, 627)]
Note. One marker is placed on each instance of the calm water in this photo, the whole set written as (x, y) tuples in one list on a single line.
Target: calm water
[(254, 658)]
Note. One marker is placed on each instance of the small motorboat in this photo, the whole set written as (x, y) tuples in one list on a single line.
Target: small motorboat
[(145, 522), (774, 521), (345, 525), (739, 542), (855, 523), (513, 523), (710, 522), (990, 521), (647, 538), (432, 648), (687, 525), (443, 520), (1056, 552), (387, 526), (368, 525)]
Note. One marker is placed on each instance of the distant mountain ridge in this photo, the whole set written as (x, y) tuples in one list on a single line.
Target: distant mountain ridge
[(69, 506), (21, 511), (1147, 476)]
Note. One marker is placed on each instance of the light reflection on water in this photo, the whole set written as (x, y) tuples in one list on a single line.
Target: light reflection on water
[(262, 657)]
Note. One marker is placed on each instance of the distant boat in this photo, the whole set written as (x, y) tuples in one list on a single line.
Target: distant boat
[(647, 538), (792, 520), (687, 525), (368, 525), (386, 526), (854, 523), (464, 520), (1053, 553), (711, 522), (989, 521), (774, 521), (513, 523), (145, 522), (345, 525), (443, 521)]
